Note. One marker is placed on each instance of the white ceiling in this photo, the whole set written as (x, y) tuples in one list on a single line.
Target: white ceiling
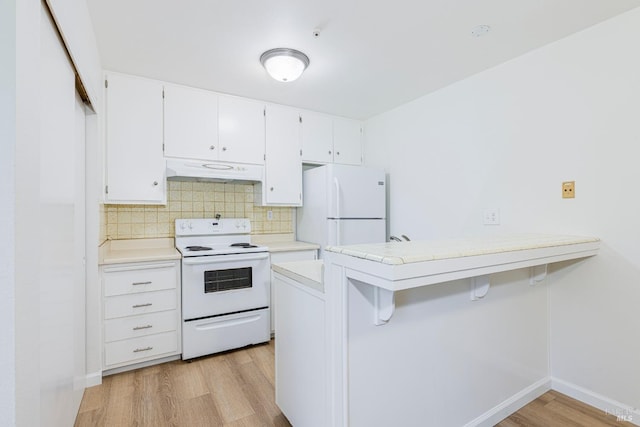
[(371, 55)]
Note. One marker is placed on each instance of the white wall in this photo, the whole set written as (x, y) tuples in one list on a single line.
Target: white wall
[(31, 377), (506, 138), (27, 333), (7, 208), (449, 360), (94, 162)]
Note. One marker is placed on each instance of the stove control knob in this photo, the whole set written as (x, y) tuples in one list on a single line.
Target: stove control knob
[(190, 226)]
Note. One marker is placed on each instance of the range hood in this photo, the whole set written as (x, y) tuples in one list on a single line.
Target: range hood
[(213, 171)]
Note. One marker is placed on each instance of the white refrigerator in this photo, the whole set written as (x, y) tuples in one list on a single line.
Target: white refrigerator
[(342, 205)]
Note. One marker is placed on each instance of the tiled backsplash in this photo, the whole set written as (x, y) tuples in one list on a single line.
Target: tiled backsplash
[(193, 200)]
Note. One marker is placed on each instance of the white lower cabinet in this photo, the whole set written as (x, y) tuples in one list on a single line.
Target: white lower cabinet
[(140, 349), (141, 312), (287, 256), (301, 353)]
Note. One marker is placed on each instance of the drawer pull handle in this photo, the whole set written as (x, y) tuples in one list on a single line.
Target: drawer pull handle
[(138, 350), (142, 305), (141, 283), (137, 328)]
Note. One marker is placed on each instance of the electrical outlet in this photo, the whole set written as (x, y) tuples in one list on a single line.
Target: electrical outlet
[(491, 217), (568, 189), (269, 215)]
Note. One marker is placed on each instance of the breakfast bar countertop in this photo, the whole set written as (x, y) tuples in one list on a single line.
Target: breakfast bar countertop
[(396, 253), (402, 265)]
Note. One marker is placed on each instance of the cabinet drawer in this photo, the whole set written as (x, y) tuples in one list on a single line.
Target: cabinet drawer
[(304, 255), (122, 280), (138, 326), (142, 303), (135, 349)]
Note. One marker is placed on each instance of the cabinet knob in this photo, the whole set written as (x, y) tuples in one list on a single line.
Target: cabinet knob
[(212, 147), (224, 148), (329, 151), (155, 183), (271, 189), (338, 153)]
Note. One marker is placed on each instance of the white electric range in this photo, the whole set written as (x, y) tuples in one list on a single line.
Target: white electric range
[(225, 286)]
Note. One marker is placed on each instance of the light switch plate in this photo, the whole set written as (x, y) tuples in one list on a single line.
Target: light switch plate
[(491, 217)]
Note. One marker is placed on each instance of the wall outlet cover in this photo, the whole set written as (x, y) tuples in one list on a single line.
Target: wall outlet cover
[(569, 190)]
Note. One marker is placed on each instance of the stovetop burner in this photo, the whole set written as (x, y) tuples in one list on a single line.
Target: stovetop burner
[(197, 248), (242, 245)]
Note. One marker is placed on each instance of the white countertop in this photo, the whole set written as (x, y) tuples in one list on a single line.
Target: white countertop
[(308, 273), (162, 249), (282, 242), (137, 250), (291, 246), (404, 265), (395, 253)]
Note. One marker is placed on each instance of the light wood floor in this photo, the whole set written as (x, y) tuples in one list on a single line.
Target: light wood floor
[(231, 389), (236, 389), (554, 409)]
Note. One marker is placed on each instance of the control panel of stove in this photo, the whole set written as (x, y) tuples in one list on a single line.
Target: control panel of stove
[(204, 227)]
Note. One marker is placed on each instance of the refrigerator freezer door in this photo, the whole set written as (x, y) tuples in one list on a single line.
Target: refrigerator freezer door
[(355, 192), (356, 231)]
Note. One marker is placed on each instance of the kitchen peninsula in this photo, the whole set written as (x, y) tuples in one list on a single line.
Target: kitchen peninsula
[(435, 333)]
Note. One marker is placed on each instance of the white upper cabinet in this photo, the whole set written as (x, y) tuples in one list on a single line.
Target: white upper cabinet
[(317, 138), (203, 125), (190, 123), (135, 170), (328, 139), (283, 167), (241, 126), (347, 141)]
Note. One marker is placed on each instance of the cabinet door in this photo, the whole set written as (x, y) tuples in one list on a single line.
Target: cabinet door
[(347, 141), (283, 167), (135, 162), (317, 138), (190, 123), (288, 256), (241, 133)]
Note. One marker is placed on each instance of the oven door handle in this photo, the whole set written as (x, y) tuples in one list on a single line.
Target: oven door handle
[(214, 259)]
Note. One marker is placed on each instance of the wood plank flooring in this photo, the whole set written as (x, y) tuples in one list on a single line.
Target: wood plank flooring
[(554, 409), (232, 389), (236, 389)]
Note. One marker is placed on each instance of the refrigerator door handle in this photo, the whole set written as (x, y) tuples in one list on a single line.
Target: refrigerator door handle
[(337, 185)]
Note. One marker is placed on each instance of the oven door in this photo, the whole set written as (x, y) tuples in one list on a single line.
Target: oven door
[(222, 284)]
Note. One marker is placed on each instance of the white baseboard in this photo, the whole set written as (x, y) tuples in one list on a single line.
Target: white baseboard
[(94, 378), (620, 410), (511, 405)]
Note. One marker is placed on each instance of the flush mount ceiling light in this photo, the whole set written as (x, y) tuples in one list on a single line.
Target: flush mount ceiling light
[(284, 64)]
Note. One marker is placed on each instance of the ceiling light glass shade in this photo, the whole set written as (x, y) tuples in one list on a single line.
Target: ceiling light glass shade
[(283, 64)]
